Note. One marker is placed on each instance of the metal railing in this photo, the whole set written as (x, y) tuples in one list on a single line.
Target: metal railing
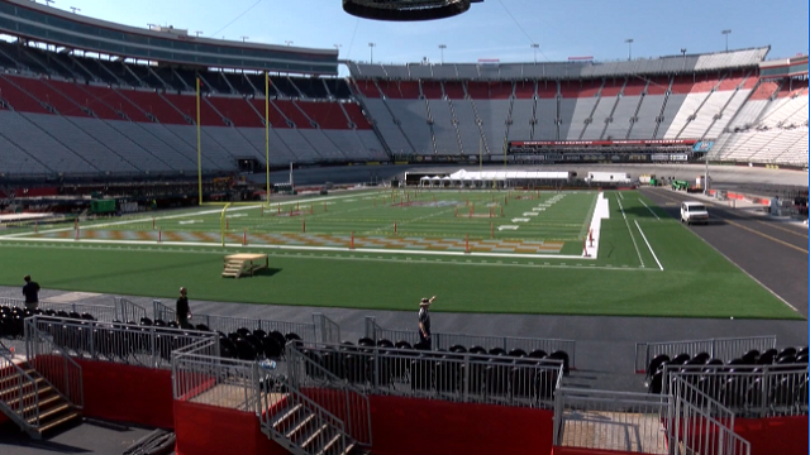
[(113, 342), (333, 393), (283, 414), (126, 310), (607, 420), (326, 330), (19, 393), (692, 427), (719, 348), (447, 340), (755, 391), (457, 377), (209, 380), (226, 324), (54, 364), (106, 313)]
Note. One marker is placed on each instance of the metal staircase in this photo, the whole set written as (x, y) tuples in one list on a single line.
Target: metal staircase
[(33, 402)]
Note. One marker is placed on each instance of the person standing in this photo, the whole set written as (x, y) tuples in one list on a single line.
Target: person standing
[(425, 341), (182, 310), (31, 293)]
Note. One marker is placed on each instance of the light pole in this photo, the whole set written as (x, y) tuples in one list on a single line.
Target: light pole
[(442, 47), (371, 47), (245, 38), (48, 2), (74, 9), (535, 47), (629, 42), (337, 46), (289, 43), (198, 33), (726, 32)]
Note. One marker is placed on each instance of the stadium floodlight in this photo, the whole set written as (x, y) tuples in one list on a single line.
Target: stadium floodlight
[(629, 42), (371, 47), (198, 33), (48, 2), (726, 32), (245, 38), (289, 43), (442, 47), (535, 47), (683, 51), (74, 9)]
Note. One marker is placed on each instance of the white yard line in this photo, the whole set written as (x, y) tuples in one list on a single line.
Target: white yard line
[(305, 248), (651, 210), (648, 246), (158, 250), (631, 233)]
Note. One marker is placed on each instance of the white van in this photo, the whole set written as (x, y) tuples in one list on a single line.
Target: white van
[(694, 212)]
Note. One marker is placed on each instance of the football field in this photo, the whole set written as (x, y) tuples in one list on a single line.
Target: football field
[(480, 251)]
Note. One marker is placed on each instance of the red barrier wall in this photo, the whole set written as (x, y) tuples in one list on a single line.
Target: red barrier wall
[(128, 394), (779, 435), (408, 426), (579, 451), (208, 430)]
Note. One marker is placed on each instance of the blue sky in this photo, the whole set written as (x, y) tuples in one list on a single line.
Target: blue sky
[(502, 29)]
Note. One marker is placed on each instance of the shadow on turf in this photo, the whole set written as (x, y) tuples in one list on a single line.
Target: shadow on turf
[(265, 272)]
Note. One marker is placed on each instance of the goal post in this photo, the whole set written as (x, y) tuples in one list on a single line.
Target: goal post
[(201, 198)]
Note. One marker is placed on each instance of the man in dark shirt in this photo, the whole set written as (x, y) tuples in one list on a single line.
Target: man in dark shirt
[(183, 311), (425, 340), (31, 293)]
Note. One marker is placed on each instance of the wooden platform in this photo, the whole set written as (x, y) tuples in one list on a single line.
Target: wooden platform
[(237, 265), (234, 396), (627, 432)]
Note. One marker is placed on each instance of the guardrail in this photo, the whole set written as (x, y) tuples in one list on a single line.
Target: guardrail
[(21, 403), (756, 391), (226, 324), (702, 426), (447, 341), (607, 420), (54, 364), (333, 393), (719, 348), (113, 342), (108, 313), (447, 376)]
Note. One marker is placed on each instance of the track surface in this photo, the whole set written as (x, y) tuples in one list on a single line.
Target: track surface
[(772, 251)]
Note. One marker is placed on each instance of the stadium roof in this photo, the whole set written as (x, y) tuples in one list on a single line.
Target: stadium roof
[(687, 63), (32, 21)]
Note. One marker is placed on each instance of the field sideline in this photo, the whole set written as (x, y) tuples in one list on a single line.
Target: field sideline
[(648, 265)]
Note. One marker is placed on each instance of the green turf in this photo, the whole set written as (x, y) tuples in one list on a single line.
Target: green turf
[(697, 281)]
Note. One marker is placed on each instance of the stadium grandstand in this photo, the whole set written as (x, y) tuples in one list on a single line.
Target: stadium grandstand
[(551, 204)]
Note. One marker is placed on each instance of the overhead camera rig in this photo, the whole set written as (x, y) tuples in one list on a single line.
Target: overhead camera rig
[(407, 10)]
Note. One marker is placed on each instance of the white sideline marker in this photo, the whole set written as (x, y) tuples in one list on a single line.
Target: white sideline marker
[(648, 246)]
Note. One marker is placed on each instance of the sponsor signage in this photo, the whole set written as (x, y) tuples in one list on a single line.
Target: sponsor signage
[(690, 142)]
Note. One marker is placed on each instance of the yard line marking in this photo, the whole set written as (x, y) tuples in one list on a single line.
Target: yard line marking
[(648, 245), (621, 195), (651, 210), (631, 233)]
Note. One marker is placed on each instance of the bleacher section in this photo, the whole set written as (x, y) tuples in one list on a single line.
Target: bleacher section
[(79, 116)]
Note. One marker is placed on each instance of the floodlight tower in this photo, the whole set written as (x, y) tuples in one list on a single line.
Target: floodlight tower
[(535, 47), (629, 42), (442, 47), (371, 47), (726, 32)]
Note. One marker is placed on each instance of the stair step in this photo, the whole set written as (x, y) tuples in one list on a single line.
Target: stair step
[(300, 426), (61, 420), (291, 412), (330, 444), (43, 415), (349, 449), (28, 395), (42, 403), (11, 381), (314, 435)]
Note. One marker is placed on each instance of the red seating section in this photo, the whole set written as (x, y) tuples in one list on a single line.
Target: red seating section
[(356, 115), (765, 90), (682, 85), (704, 83), (276, 119), (547, 89), (152, 103), (658, 85), (499, 90), (454, 90), (432, 90), (328, 116), (97, 99), (238, 111), (571, 89), (481, 90), (19, 99), (409, 90), (188, 105), (634, 87), (612, 87), (524, 90), (293, 113), (368, 89), (48, 95)]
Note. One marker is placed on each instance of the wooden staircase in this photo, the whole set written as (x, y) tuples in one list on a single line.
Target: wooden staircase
[(233, 268), (32, 402)]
